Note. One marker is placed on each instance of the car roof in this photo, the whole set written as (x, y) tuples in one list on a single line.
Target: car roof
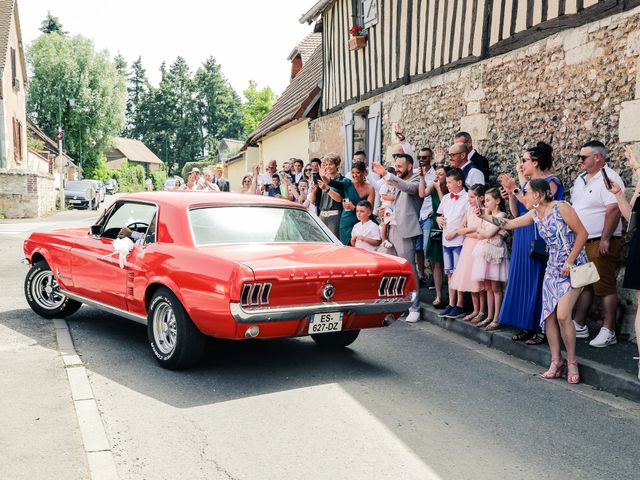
[(187, 199)]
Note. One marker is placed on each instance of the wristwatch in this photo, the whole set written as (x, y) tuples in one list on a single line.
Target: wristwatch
[(515, 191)]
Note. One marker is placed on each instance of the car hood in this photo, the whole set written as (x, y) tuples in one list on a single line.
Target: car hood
[(307, 259)]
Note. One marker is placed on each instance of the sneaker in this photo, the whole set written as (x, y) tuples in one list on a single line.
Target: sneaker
[(604, 338), (456, 312), (445, 312), (582, 331), (413, 317)]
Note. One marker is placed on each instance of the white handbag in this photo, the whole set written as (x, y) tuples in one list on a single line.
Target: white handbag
[(582, 275)]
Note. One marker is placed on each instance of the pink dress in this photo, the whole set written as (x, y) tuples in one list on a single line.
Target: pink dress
[(491, 258), (461, 280)]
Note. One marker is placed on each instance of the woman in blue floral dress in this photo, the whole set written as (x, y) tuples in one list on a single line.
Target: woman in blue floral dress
[(565, 236)]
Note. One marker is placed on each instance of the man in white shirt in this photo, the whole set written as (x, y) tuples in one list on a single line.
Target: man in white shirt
[(427, 175), (265, 179), (598, 211)]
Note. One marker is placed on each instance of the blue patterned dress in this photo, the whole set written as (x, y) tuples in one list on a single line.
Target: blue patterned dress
[(523, 296), (560, 240)]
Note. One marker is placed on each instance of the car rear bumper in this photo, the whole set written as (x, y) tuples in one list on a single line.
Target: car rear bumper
[(295, 312)]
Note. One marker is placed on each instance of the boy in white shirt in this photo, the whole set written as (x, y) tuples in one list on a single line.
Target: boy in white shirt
[(453, 209), (365, 234)]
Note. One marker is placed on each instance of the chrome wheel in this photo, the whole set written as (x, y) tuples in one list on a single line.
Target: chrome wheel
[(165, 329), (45, 291)]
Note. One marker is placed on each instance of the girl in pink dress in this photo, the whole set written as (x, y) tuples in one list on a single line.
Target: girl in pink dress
[(491, 259), (461, 280)]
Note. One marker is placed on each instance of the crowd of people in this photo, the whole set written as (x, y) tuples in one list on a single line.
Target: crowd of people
[(510, 243)]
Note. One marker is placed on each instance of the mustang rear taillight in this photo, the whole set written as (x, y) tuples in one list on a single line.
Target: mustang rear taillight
[(255, 294), (392, 286)]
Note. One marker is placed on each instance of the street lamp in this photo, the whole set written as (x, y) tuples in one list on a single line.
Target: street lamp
[(59, 136)]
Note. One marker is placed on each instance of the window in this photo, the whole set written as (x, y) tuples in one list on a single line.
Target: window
[(367, 13), (254, 225), (14, 74), (139, 217)]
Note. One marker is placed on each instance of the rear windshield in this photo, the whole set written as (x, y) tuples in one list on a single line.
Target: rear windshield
[(255, 224), (77, 186)]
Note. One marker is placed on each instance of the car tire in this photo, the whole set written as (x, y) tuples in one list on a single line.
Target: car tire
[(95, 204), (174, 339), (43, 295), (336, 339)]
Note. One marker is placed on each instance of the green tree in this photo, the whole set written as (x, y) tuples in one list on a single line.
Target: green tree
[(52, 24), (138, 97), (219, 107), (80, 88), (256, 106)]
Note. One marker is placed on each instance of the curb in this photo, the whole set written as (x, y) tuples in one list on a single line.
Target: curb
[(599, 376), (102, 465)]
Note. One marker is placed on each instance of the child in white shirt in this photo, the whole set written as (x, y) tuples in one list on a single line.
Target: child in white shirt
[(365, 234), (453, 209)]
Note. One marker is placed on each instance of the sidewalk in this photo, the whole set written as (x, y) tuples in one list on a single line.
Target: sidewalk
[(611, 369)]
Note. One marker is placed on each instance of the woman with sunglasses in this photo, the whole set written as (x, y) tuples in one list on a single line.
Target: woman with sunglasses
[(520, 308), (561, 229), (249, 185)]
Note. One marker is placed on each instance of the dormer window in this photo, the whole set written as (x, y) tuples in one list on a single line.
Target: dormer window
[(296, 65)]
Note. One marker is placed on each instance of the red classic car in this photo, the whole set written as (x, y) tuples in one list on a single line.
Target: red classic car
[(220, 265)]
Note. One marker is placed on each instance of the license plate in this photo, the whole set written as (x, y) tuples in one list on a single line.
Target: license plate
[(325, 323), (75, 201)]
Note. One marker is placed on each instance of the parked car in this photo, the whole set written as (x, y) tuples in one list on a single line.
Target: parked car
[(81, 194), (111, 186), (227, 266), (101, 192)]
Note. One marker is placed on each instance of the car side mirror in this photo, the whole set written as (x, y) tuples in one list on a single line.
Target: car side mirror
[(96, 230)]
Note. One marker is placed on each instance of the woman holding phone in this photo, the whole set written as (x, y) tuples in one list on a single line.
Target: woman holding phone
[(632, 273), (520, 308), (559, 226)]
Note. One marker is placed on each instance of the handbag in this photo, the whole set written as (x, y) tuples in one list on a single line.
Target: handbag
[(633, 220), (582, 275), (435, 234), (539, 250)]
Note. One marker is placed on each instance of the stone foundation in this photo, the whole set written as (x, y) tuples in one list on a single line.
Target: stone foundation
[(26, 195), (574, 86)]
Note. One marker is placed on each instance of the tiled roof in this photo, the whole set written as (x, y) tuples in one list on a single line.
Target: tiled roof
[(135, 150), (9, 8), (296, 101), (306, 47)]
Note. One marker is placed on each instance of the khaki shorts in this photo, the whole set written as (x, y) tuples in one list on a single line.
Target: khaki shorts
[(607, 266)]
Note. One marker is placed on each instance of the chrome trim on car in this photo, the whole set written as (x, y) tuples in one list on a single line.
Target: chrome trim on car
[(294, 312), (105, 307)]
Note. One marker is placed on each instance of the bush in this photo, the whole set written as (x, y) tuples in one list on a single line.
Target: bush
[(158, 179), (202, 164), (129, 178)]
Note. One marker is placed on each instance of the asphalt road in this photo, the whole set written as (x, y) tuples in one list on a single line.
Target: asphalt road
[(405, 402)]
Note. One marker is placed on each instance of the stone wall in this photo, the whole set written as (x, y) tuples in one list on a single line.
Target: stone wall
[(574, 86), (26, 195), (326, 134)]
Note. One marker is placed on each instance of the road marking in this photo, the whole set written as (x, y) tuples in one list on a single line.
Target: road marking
[(102, 465)]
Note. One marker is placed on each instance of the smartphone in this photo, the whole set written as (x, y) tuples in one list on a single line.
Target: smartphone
[(607, 182), (316, 177)]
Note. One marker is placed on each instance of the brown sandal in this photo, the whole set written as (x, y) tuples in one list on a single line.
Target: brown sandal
[(481, 317), (492, 326)]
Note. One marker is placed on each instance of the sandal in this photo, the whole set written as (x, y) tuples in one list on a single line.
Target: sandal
[(537, 339), (556, 369), (573, 377), (484, 323), (471, 316), (492, 326), (438, 303), (481, 317), (522, 335)]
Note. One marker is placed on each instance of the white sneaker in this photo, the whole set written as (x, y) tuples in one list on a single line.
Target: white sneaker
[(582, 331), (604, 338), (413, 317)]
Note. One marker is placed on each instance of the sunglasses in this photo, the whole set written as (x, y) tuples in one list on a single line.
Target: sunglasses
[(307, 170), (396, 155), (584, 157), (423, 157), (454, 154)]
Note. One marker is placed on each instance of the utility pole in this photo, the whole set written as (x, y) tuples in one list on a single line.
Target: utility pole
[(60, 155)]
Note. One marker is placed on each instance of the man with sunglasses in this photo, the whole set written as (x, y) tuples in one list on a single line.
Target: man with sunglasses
[(473, 156), (458, 157), (598, 211)]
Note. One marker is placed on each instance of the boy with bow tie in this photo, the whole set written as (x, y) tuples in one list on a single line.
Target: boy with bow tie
[(453, 209)]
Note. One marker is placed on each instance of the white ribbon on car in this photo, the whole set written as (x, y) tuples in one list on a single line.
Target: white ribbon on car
[(122, 247)]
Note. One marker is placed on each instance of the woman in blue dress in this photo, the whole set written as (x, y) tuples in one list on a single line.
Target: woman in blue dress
[(523, 296), (352, 191), (559, 225)]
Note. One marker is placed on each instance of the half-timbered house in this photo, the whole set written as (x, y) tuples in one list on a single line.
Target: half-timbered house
[(438, 66)]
